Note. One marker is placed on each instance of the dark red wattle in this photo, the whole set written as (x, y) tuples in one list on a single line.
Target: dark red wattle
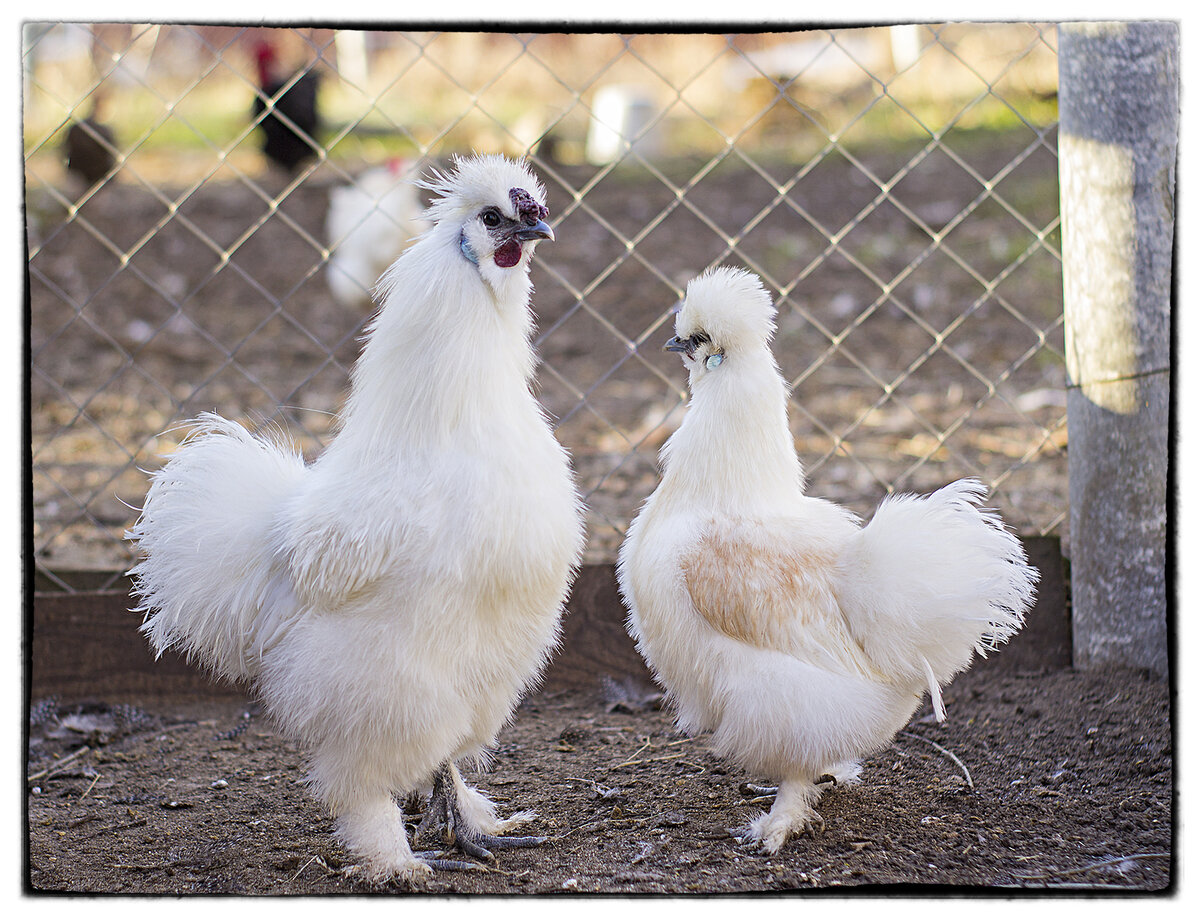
[(508, 254)]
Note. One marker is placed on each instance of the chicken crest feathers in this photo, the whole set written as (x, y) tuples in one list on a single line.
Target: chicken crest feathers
[(731, 306), (476, 181)]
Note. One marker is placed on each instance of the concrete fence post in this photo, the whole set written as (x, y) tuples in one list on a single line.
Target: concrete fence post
[(1119, 128)]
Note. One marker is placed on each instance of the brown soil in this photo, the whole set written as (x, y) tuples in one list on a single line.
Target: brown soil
[(1037, 781)]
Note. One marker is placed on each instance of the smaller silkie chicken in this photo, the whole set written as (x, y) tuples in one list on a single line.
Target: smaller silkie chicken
[(390, 601), (370, 222), (801, 639)]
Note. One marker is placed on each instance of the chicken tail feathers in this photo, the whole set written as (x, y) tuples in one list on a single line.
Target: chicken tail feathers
[(935, 691), (930, 580), (206, 572)]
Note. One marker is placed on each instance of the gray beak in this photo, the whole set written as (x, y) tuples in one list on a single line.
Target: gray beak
[(675, 343), (539, 231)]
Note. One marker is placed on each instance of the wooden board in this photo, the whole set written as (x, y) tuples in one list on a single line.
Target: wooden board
[(87, 645)]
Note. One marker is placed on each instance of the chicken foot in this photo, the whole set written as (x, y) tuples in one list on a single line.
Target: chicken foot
[(792, 813), (467, 818)]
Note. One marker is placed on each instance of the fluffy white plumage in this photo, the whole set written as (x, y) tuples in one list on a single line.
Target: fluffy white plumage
[(369, 223), (391, 601), (803, 640)]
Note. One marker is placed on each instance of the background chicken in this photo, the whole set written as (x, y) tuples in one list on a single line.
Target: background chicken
[(802, 640), (370, 222), (90, 146), (391, 601), (287, 105)]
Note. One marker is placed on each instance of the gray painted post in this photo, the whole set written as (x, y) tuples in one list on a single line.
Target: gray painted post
[(1119, 128)]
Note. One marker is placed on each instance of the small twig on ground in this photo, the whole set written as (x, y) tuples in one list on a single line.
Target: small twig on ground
[(643, 747), (949, 754), (57, 767), (634, 763), (1081, 886), (634, 760), (113, 828), (603, 792), (137, 822), (311, 859), (180, 726), (574, 830), (511, 873), (92, 785), (1096, 865), (723, 834)]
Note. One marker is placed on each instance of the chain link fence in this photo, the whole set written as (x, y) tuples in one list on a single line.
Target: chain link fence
[(896, 188)]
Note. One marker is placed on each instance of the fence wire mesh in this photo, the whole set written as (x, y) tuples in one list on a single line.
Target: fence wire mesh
[(895, 187)]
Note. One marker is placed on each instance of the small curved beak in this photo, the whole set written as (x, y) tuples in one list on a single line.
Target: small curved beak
[(539, 231), (675, 343)]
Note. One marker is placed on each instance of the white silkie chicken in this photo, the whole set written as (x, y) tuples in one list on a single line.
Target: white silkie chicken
[(369, 223), (391, 601), (801, 639)]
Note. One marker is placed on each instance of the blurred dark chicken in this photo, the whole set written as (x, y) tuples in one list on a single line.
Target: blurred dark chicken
[(89, 148), (290, 124)]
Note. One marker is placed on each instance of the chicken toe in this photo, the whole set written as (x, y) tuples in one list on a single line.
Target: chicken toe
[(467, 819)]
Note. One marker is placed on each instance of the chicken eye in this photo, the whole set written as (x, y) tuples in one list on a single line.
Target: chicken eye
[(491, 218)]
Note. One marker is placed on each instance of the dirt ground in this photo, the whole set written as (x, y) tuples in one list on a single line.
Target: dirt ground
[(1045, 781)]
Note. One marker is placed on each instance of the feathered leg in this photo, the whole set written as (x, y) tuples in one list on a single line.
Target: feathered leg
[(468, 818), (374, 830), (792, 813)]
